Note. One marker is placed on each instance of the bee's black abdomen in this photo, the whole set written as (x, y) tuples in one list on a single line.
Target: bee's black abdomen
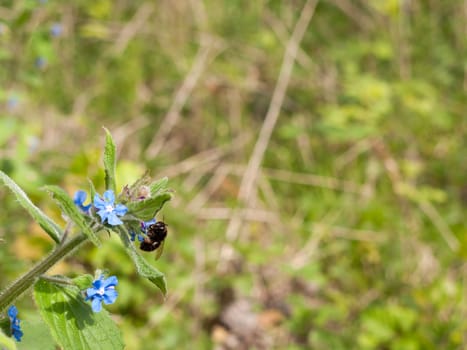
[(157, 231), (149, 246)]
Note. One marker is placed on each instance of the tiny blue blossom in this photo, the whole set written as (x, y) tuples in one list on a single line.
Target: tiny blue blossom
[(79, 199), (102, 290), (12, 102), (14, 321), (56, 30), (133, 236), (107, 209), (41, 62)]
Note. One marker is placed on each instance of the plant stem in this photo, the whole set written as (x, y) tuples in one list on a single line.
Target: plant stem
[(23, 283), (57, 280)]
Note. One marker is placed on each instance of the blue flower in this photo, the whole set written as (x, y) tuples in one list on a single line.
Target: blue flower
[(107, 209), (56, 30), (79, 199), (41, 62), (14, 321), (103, 290), (133, 236), (12, 102)]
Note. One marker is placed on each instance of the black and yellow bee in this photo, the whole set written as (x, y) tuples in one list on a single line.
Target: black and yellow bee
[(155, 238)]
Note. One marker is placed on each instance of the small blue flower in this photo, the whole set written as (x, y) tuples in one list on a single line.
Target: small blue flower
[(107, 209), (133, 236), (103, 290), (12, 102), (41, 62), (14, 321), (79, 199), (56, 30)]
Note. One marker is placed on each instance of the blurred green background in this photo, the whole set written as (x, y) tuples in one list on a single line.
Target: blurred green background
[(354, 235)]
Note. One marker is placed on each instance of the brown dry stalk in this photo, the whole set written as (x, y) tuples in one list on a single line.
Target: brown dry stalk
[(250, 176)]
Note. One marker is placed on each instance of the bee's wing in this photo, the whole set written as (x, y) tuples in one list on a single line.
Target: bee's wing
[(160, 250)]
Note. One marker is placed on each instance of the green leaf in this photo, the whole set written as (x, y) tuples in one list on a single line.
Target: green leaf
[(83, 281), (143, 268), (110, 161), (49, 226), (69, 208), (71, 320), (6, 342), (158, 186), (36, 334), (147, 209)]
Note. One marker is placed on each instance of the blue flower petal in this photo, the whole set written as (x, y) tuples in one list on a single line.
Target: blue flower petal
[(103, 214), (56, 30), (17, 333), (90, 293), (99, 281), (120, 210), (110, 296), (150, 222), (109, 196), (113, 220), (96, 305), (110, 282), (15, 325), (79, 197), (145, 224), (99, 202), (12, 311)]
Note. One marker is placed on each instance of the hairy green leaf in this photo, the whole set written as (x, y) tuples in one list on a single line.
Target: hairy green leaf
[(71, 320), (148, 208), (110, 160), (142, 266), (83, 281), (36, 334), (49, 226), (158, 186), (69, 208)]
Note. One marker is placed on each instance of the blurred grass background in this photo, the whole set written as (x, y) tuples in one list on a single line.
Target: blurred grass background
[(352, 232)]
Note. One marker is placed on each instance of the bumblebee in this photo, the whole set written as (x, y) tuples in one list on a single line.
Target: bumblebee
[(155, 238)]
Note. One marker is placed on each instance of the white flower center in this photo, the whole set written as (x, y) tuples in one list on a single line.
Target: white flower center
[(101, 291), (109, 208)]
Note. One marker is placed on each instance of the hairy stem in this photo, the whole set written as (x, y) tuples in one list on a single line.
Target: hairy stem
[(23, 283)]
